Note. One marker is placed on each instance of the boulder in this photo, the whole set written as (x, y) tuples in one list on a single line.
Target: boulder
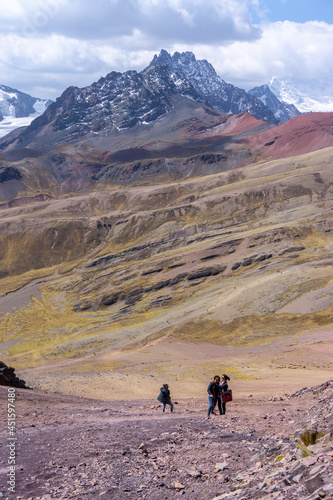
[(8, 377)]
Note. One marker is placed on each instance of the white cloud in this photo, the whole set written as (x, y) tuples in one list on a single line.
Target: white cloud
[(171, 20), (56, 43), (286, 49), (56, 54)]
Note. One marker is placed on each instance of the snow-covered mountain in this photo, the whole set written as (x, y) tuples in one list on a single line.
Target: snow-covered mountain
[(282, 111), (18, 109), (306, 95), (224, 96)]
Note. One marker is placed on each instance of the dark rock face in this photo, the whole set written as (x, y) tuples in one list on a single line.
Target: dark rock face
[(8, 174), (8, 377), (204, 272), (281, 110), (224, 96), (293, 249)]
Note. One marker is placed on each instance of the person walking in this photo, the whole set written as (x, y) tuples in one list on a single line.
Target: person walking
[(165, 398), (223, 387)]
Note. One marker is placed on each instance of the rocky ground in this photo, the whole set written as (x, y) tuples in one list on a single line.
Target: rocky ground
[(272, 447)]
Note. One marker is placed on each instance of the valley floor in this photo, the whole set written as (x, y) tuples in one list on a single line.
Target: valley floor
[(276, 367)]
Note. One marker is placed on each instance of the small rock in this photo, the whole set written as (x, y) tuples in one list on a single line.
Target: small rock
[(194, 472), (178, 486), (221, 466), (314, 483)]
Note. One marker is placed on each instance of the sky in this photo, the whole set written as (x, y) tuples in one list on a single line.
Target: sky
[(49, 45)]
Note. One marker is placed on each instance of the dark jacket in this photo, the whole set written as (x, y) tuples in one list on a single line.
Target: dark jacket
[(213, 389), (223, 386), (164, 396)]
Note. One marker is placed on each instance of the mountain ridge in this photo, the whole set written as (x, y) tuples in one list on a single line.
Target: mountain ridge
[(116, 102), (125, 100), (276, 102)]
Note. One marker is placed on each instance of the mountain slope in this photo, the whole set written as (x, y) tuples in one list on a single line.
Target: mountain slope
[(235, 258), (302, 134), (188, 141)]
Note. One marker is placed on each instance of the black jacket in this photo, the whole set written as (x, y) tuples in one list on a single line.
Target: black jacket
[(223, 386), (213, 390), (164, 396)]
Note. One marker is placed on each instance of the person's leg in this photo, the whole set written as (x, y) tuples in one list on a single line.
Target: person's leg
[(219, 405), (214, 404), (223, 408), (163, 409), (211, 406), (171, 406)]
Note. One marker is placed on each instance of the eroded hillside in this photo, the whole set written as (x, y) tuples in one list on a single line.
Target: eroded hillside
[(237, 259)]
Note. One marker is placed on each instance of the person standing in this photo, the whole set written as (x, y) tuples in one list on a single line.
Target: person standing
[(223, 387), (213, 395), (165, 398)]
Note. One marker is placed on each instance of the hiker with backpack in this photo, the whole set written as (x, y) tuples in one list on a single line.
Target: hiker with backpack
[(165, 398)]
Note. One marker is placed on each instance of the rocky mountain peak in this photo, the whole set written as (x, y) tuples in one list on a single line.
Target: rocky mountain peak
[(281, 110), (164, 57), (224, 96), (115, 102), (187, 65)]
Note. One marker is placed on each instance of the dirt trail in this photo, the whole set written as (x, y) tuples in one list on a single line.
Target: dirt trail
[(84, 449)]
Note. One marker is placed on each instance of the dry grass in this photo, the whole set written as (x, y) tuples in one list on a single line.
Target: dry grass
[(252, 330)]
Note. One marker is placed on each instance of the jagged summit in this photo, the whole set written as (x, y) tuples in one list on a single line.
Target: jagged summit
[(224, 96)]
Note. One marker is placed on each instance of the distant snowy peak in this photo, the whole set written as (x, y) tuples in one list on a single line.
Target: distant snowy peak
[(18, 109), (306, 95), (282, 111), (18, 104)]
